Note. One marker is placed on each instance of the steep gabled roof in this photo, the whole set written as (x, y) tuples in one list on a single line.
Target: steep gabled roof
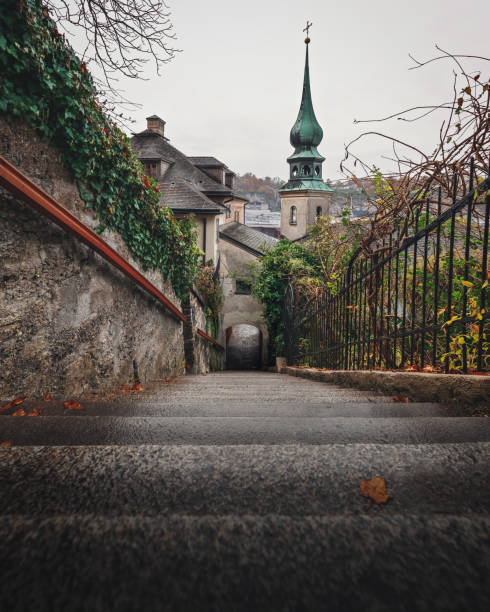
[(151, 145), (207, 162), (182, 196), (250, 240)]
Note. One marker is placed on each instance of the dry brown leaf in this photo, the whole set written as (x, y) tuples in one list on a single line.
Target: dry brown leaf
[(429, 368), (6, 407), (6, 443), (125, 388), (19, 412), (401, 398), (375, 489), (35, 412), (47, 398), (19, 400), (137, 386), (73, 405)]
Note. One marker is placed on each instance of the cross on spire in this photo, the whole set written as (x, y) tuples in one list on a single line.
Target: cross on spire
[(307, 29)]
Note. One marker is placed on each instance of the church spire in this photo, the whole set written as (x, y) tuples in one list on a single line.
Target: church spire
[(306, 134), (306, 131)]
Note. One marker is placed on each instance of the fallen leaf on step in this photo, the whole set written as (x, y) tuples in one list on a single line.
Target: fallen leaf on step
[(137, 386), (125, 388), (47, 398), (6, 443), (35, 412), (19, 400), (401, 398), (19, 412), (73, 405), (375, 489), (14, 402)]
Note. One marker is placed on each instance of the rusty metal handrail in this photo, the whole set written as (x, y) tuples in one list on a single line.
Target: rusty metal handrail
[(22, 187), (209, 339)]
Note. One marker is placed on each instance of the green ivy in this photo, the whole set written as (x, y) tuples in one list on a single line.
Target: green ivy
[(43, 81), (285, 262)]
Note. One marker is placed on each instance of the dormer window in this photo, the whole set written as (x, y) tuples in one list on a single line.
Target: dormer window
[(292, 216)]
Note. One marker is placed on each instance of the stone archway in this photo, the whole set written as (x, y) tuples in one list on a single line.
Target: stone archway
[(243, 347)]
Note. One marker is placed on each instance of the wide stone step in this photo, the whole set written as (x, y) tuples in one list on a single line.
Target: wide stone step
[(106, 430), (243, 408), (286, 480), (242, 563)]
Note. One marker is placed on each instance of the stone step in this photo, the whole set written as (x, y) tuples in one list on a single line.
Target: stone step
[(107, 430), (287, 480), (242, 563), (243, 408)]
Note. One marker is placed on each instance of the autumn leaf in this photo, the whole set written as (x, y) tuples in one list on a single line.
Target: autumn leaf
[(73, 405), (467, 283), (6, 443), (429, 368), (467, 90), (401, 398), (137, 386), (375, 489), (125, 388), (18, 400), (47, 398), (19, 412), (35, 412)]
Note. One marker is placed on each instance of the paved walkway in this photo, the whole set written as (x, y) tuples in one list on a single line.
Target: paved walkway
[(240, 491)]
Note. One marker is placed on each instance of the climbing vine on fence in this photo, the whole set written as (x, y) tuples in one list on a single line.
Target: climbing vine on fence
[(43, 81)]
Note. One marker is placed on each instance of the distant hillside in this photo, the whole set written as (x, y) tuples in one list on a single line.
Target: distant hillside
[(263, 194), (260, 192)]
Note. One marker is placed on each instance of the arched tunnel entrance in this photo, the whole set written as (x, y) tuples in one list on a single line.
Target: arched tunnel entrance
[(243, 347)]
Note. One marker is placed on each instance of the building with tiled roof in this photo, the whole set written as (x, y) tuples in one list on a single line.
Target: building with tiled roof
[(203, 186)]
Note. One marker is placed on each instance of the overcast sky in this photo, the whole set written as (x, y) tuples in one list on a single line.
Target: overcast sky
[(235, 89)]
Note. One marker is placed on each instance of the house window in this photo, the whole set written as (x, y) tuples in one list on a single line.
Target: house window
[(292, 216), (318, 212), (152, 169), (243, 286), (237, 216)]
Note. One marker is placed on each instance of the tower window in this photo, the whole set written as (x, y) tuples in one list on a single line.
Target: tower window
[(295, 171), (318, 212), (306, 170), (317, 170), (292, 216)]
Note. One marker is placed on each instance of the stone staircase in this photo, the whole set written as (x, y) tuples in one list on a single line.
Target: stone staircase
[(240, 491)]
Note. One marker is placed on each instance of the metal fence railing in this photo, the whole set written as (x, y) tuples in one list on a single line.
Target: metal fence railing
[(419, 301)]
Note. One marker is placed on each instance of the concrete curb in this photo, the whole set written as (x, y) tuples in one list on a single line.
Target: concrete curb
[(467, 391)]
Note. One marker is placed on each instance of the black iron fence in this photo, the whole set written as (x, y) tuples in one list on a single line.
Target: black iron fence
[(418, 301)]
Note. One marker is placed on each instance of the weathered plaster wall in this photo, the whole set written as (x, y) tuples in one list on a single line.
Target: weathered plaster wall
[(306, 203), (69, 321), (238, 308), (201, 355)]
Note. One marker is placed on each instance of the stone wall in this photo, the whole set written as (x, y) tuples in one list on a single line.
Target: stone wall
[(240, 308), (69, 321)]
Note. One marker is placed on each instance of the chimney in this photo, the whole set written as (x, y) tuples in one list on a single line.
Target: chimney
[(155, 124)]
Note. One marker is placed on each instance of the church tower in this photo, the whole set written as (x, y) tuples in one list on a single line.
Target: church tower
[(305, 197)]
